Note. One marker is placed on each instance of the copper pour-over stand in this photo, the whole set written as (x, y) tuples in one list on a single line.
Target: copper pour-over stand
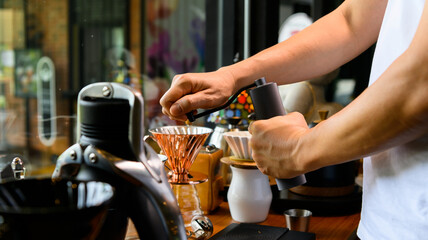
[(181, 145)]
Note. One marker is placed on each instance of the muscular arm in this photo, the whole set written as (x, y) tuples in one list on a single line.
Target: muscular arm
[(391, 112), (320, 48)]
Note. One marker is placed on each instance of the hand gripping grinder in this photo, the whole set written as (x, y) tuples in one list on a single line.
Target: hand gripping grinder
[(267, 104)]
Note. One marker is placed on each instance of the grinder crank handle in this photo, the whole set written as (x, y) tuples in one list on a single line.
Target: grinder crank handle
[(267, 104), (192, 117)]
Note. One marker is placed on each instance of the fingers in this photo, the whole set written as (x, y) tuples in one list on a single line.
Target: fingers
[(178, 89), (249, 127), (193, 91), (177, 101), (181, 118), (185, 104), (255, 126), (181, 99), (273, 141)]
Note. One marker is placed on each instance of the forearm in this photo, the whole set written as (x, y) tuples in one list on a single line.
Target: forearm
[(392, 111), (320, 48)]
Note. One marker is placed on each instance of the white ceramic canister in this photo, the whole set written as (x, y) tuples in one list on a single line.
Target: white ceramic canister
[(249, 195)]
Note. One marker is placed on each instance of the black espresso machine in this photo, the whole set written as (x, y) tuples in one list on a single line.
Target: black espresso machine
[(111, 149)]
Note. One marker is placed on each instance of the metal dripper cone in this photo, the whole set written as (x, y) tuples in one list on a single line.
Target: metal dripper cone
[(181, 145)]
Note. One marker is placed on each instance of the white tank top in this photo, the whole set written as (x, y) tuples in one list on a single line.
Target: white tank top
[(395, 183)]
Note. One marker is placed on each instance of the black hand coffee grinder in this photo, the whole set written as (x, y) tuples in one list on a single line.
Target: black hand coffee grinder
[(267, 104), (111, 149)]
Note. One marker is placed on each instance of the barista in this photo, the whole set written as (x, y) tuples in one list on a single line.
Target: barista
[(387, 123)]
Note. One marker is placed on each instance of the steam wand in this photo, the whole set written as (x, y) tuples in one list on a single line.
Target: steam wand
[(267, 104)]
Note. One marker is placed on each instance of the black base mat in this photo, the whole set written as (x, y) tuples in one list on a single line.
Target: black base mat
[(247, 231)]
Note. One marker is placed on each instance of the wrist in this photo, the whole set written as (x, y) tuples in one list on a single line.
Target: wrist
[(306, 161), (243, 73), (229, 76)]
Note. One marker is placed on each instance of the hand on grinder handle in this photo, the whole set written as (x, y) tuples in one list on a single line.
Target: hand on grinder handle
[(192, 91)]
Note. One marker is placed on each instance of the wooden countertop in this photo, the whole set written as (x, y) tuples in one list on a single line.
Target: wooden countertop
[(325, 228)]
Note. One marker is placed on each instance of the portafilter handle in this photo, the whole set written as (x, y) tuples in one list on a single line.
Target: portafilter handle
[(267, 104)]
